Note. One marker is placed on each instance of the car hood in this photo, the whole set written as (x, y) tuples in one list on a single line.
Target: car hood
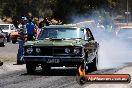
[(71, 42), (14, 33)]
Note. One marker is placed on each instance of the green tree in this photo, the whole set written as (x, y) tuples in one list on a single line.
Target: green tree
[(60, 9)]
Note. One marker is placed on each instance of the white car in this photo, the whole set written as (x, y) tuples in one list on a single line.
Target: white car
[(7, 29)]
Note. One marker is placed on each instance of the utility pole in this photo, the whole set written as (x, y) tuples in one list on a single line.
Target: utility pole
[(127, 12)]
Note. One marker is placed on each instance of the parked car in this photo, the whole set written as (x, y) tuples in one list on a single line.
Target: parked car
[(14, 36), (61, 45), (2, 39), (7, 29)]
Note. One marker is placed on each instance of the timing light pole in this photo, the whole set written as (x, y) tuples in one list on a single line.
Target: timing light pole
[(127, 12)]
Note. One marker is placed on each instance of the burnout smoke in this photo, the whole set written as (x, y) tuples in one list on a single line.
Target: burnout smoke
[(113, 53)]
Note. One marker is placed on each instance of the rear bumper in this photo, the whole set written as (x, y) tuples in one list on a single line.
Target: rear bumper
[(13, 37)]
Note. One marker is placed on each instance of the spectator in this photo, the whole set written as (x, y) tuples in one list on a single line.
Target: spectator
[(36, 30), (22, 24), (30, 30), (46, 21), (43, 23), (21, 41)]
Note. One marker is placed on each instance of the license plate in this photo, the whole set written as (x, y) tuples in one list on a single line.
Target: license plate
[(53, 60)]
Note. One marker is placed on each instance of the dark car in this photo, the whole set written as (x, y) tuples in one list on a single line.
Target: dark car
[(2, 39), (58, 46)]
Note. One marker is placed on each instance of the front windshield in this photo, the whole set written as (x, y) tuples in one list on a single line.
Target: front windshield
[(60, 33), (4, 27)]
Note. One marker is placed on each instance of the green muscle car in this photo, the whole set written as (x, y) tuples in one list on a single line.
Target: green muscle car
[(61, 45)]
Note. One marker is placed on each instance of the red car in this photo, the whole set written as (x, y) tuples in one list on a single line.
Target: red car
[(14, 36), (2, 39)]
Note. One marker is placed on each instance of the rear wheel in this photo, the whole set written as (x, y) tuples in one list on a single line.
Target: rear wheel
[(31, 67), (2, 44)]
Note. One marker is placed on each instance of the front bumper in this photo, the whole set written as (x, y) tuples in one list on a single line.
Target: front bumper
[(54, 60)]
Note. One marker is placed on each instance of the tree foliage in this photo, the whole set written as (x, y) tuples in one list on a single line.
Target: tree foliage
[(60, 9)]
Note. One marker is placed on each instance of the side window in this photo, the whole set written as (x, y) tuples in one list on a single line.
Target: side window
[(12, 27), (89, 34), (82, 34)]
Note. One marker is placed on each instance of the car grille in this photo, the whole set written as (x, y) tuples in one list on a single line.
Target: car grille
[(46, 51), (55, 51)]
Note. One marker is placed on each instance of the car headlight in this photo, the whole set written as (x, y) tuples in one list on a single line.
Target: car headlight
[(38, 50), (67, 50), (76, 51), (29, 50)]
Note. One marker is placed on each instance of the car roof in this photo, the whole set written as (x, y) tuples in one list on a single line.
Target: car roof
[(6, 24), (127, 27), (61, 26), (124, 28)]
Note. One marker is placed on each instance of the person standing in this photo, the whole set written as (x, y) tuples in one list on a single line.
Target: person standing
[(21, 41), (30, 30), (43, 23), (46, 22)]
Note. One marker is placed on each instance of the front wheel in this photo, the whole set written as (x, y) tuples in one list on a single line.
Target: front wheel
[(81, 80), (30, 67), (92, 66)]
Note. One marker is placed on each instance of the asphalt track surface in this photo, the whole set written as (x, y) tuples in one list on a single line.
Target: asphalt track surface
[(54, 79)]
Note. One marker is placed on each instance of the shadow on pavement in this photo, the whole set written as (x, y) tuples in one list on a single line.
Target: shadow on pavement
[(55, 72)]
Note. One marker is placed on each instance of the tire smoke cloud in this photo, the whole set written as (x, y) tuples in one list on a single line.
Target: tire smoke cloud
[(113, 53)]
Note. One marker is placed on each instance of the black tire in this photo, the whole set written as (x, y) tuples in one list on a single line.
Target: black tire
[(14, 41), (92, 66), (2, 44), (8, 38), (45, 68), (81, 80), (30, 67), (1, 63)]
